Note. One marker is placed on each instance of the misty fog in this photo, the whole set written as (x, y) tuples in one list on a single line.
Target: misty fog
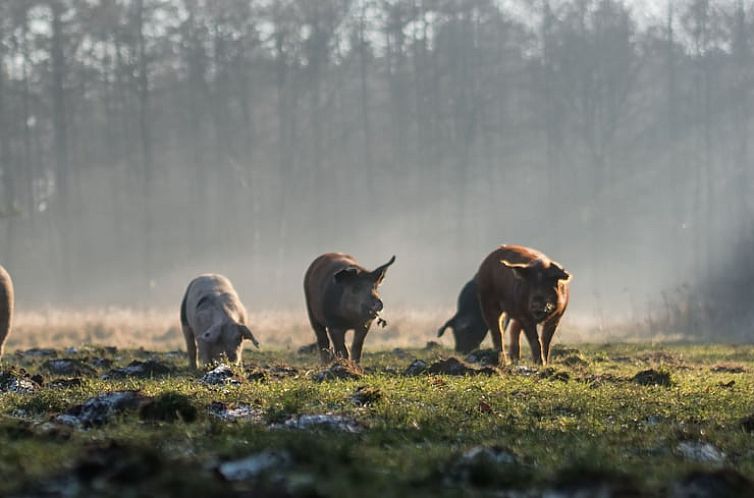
[(145, 141)]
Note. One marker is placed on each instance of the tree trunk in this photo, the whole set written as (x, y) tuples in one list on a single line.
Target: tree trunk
[(66, 226), (145, 139)]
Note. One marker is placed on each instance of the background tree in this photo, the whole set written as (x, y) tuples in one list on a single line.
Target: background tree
[(142, 141)]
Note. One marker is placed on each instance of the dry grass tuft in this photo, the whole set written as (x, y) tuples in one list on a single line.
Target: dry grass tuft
[(159, 330)]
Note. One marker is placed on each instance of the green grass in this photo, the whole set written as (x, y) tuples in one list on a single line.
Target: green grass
[(587, 422)]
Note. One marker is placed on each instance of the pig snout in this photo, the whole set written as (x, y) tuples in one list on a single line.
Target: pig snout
[(541, 308), (375, 307)]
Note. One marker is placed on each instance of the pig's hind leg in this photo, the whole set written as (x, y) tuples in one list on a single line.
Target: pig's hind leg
[(491, 310)]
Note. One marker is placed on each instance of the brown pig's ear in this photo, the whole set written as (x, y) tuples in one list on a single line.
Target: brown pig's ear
[(558, 272), (346, 274), (378, 275), (520, 270), (246, 334)]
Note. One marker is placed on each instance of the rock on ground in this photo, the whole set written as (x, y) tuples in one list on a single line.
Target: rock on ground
[(100, 409), (254, 465)]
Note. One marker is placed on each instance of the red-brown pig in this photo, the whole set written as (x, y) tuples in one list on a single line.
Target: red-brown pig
[(530, 289), (341, 295)]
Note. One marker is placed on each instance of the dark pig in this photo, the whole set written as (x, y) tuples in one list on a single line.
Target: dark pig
[(529, 289), (341, 295), (468, 325)]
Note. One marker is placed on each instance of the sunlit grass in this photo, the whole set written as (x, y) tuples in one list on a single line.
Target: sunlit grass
[(590, 417)]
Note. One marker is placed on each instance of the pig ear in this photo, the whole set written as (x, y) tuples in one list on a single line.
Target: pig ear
[(378, 275), (558, 272), (212, 334), (346, 274), (520, 270), (246, 334)]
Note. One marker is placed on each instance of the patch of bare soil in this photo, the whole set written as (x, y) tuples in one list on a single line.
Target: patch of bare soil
[(339, 370), (558, 350), (653, 377), (485, 466), (747, 424), (713, 484), (65, 383), (550, 373), (597, 380), (19, 381), (728, 368), (447, 366), (417, 367), (274, 372), (117, 463), (149, 369), (235, 412), (577, 483), (574, 361), (221, 375), (68, 366), (308, 349), (168, 407), (660, 358), (37, 353), (366, 395), (100, 409), (483, 357), (254, 466), (700, 451), (325, 421)]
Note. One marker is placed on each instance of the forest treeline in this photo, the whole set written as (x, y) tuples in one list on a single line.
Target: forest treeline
[(141, 138)]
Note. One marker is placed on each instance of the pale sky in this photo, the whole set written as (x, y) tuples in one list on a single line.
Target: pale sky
[(645, 10)]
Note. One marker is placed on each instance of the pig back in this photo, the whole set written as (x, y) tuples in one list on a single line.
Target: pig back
[(216, 291), (496, 280)]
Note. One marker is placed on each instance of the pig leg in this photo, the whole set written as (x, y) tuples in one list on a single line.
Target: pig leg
[(323, 343), (491, 310), (548, 332), (358, 341), (464, 343), (514, 334), (338, 337), (188, 334), (530, 329)]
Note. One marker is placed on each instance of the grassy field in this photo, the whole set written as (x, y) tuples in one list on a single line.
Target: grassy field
[(284, 426)]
